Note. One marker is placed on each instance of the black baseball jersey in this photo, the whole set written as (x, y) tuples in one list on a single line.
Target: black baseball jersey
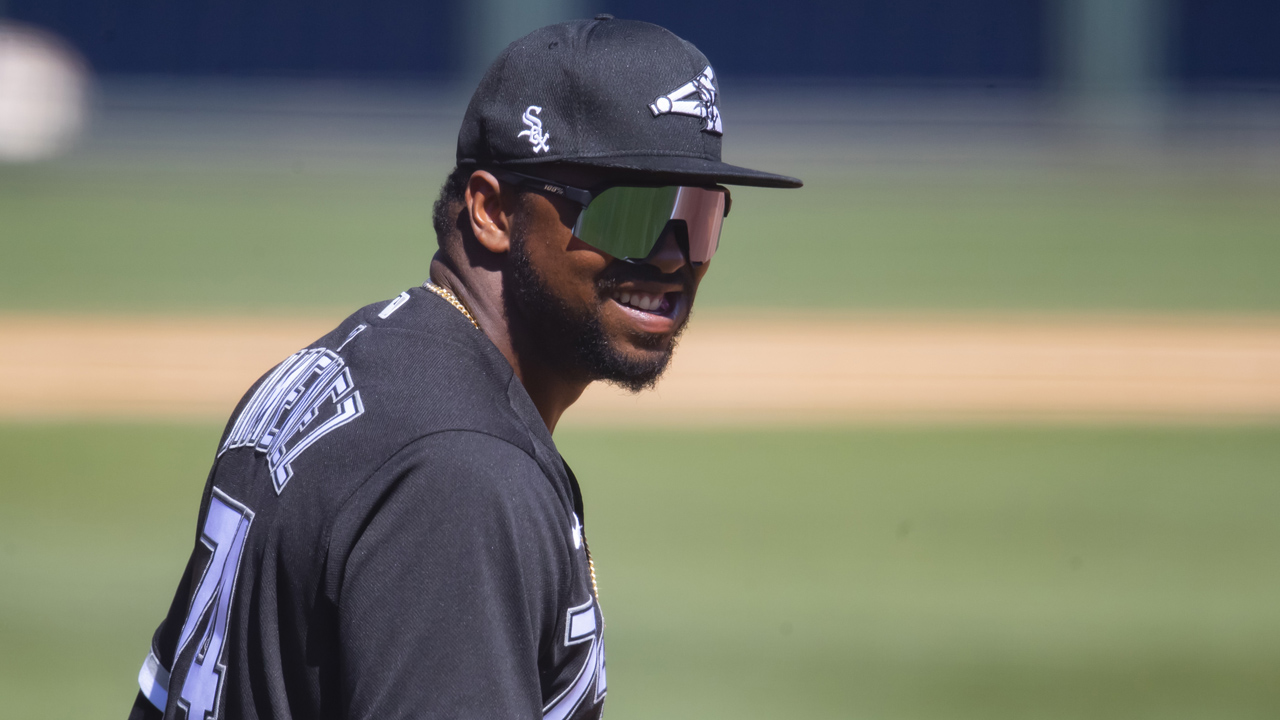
[(388, 531)]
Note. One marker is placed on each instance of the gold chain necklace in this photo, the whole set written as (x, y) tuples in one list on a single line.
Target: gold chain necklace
[(592, 565), (452, 299)]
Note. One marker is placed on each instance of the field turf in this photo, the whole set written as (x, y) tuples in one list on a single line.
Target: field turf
[(985, 573), (160, 239), (944, 573)]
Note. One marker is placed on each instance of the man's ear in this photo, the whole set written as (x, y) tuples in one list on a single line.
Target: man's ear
[(488, 211)]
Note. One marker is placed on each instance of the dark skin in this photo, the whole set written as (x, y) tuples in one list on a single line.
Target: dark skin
[(472, 267)]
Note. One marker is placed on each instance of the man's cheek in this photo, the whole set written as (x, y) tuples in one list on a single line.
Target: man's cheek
[(700, 271)]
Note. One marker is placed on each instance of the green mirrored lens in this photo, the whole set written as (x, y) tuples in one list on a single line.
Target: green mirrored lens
[(626, 222)]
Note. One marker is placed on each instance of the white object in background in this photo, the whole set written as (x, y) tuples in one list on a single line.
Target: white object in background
[(43, 87)]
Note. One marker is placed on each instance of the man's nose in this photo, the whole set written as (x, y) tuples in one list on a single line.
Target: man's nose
[(667, 255)]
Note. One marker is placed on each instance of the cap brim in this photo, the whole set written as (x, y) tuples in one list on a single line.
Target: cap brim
[(677, 170)]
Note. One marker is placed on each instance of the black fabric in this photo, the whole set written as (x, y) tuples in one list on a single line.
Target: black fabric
[(424, 559), (590, 84)]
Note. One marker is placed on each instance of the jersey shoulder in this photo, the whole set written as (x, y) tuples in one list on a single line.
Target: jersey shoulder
[(391, 373)]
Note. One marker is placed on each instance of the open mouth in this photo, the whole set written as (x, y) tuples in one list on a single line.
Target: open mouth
[(653, 303)]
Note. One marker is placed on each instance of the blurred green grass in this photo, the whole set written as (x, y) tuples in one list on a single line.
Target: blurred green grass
[(978, 572), (160, 239)]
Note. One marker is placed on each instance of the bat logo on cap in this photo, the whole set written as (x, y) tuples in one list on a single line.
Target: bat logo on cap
[(537, 137), (696, 98)]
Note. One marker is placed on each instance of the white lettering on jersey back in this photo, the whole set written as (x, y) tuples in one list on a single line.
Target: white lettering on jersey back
[(581, 627), (226, 526), (304, 398), (394, 305), (352, 335)]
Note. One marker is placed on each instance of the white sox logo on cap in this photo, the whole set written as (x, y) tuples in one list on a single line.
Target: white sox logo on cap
[(537, 138), (696, 98)]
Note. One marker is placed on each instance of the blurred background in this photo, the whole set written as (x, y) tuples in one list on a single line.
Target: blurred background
[(981, 423)]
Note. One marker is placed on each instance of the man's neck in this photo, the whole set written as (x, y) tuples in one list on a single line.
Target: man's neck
[(480, 291)]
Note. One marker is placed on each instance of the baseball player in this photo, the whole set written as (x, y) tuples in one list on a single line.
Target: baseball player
[(388, 530)]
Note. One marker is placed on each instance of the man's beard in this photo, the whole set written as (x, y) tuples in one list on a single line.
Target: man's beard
[(571, 339)]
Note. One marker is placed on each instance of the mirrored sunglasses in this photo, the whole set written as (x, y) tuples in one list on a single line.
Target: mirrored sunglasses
[(627, 221)]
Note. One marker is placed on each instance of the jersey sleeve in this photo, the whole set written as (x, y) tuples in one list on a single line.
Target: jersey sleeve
[(449, 589)]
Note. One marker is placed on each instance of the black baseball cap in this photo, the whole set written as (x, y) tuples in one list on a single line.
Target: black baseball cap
[(623, 95)]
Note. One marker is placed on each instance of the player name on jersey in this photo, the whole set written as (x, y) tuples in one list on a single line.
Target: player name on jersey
[(284, 416)]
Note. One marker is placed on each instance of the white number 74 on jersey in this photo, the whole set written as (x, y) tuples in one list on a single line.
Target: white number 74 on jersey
[(224, 532)]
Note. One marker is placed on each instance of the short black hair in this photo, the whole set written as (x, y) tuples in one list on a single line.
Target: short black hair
[(453, 194)]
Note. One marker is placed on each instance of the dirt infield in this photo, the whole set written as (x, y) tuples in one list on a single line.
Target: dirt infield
[(732, 370)]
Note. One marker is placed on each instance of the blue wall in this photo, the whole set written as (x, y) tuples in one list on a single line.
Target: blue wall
[(1232, 41), (1000, 41), (938, 39), (310, 38)]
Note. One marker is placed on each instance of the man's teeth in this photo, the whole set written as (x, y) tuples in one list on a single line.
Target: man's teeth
[(644, 301)]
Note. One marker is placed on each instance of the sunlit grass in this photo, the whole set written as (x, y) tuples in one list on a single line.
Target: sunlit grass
[(942, 573), (164, 240)]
